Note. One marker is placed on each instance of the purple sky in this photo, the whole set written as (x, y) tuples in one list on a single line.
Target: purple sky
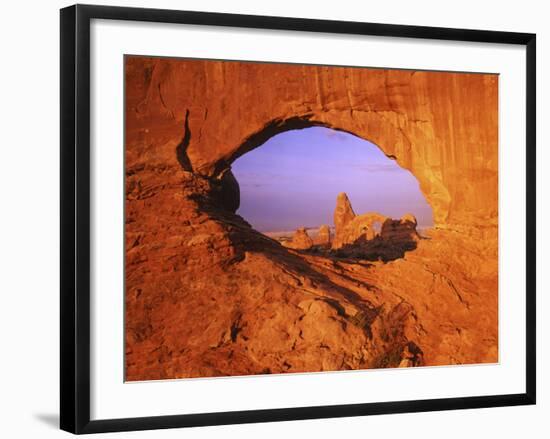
[(293, 179)]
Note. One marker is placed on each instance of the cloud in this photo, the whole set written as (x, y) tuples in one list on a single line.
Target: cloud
[(255, 185), (377, 167), (335, 134), (251, 176)]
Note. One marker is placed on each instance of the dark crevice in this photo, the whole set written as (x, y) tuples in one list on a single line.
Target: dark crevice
[(235, 329), (181, 149)]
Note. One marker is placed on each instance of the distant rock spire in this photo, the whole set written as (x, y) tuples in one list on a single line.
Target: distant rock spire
[(343, 214)]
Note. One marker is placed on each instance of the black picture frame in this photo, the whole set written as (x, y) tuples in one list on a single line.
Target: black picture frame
[(75, 217)]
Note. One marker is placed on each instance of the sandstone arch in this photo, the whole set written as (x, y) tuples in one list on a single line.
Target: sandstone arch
[(207, 295), (408, 114)]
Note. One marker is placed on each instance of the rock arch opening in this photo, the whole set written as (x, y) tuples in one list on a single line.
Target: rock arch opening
[(298, 188)]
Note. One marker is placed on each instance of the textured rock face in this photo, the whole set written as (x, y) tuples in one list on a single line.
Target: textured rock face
[(409, 218), (300, 240), (366, 225), (351, 227), (371, 235), (411, 115), (206, 295), (402, 230)]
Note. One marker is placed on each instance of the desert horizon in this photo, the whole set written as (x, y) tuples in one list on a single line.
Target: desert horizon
[(314, 232)]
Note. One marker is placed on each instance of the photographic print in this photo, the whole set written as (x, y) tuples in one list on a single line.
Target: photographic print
[(289, 218)]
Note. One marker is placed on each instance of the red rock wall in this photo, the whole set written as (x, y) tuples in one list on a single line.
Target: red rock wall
[(440, 126)]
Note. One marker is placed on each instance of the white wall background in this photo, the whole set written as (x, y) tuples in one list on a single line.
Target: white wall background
[(29, 187)]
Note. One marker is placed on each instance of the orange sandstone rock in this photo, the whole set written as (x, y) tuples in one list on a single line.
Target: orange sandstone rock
[(441, 126), (371, 235), (324, 236), (343, 215), (206, 295), (300, 240)]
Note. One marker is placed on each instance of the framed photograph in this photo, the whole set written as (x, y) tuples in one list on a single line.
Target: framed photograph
[(268, 218)]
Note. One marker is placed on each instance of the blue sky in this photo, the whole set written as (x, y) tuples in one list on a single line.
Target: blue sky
[(293, 179)]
